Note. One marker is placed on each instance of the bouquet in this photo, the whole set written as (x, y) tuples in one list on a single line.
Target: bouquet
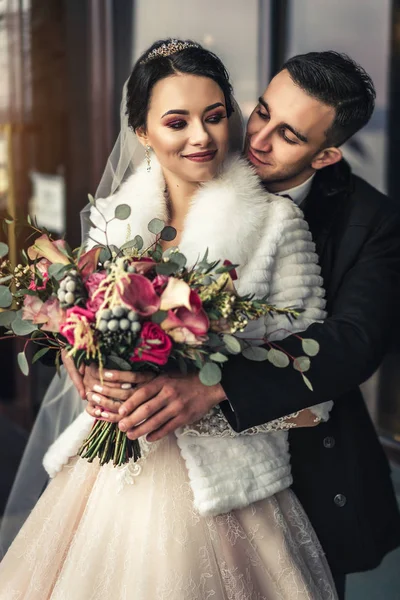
[(131, 308)]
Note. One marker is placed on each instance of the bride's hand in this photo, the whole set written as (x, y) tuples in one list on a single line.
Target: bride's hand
[(104, 398), (75, 374)]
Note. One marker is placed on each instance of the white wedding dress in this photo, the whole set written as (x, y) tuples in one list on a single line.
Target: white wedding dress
[(92, 538), (87, 539)]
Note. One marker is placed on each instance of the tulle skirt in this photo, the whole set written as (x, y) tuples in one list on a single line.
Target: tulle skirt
[(89, 538)]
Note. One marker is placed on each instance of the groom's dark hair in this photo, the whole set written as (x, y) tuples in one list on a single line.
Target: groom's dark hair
[(336, 80)]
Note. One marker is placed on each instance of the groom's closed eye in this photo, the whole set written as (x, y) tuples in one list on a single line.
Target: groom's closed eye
[(294, 136)]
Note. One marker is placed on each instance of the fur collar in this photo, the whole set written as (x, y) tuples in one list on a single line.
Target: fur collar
[(227, 215)]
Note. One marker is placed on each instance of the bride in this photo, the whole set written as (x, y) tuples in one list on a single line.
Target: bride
[(208, 513)]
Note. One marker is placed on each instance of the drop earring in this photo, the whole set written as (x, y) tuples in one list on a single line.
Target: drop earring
[(148, 158)]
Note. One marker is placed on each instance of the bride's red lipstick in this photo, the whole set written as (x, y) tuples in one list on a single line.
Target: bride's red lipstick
[(201, 156)]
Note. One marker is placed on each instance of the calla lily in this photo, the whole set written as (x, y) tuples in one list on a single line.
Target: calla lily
[(144, 265), (137, 292), (88, 262), (195, 319), (44, 247), (176, 294)]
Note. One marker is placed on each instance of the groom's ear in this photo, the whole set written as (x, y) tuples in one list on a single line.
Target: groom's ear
[(326, 157), (142, 136)]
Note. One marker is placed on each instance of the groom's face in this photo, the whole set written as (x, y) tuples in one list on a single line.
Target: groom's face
[(286, 132)]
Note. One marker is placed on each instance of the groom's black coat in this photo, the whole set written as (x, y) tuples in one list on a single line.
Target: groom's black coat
[(340, 472)]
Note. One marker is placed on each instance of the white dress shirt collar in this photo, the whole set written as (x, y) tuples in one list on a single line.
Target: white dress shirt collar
[(300, 192)]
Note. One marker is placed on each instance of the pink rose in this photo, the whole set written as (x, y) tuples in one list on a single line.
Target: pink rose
[(54, 315), (156, 353), (92, 285), (182, 335), (42, 267), (137, 293), (31, 310), (195, 319), (78, 321)]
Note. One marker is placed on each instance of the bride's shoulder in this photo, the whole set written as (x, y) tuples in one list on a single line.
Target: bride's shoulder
[(127, 194)]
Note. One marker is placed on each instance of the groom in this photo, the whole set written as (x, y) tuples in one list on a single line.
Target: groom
[(341, 474)]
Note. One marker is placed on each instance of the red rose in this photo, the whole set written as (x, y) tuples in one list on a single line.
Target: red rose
[(157, 353)]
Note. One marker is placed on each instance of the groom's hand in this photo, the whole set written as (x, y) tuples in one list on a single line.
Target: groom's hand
[(167, 403)]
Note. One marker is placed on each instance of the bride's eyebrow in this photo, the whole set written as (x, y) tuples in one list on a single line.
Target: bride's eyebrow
[(177, 111)]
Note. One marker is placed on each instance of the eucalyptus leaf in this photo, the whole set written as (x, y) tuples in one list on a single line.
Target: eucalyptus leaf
[(232, 344), (6, 278), (137, 243), (9, 221), (278, 358), (105, 254), (218, 357), (167, 268), (91, 200), (115, 362), (5, 297), (214, 340), (21, 327), (23, 363), (39, 354), (57, 270), (179, 259), (3, 249), (171, 251), (256, 353), (210, 374), (168, 233), (307, 382), (6, 318), (29, 219), (122, 212), (159, 316), (310, 346), (302, 363), (156, 226)]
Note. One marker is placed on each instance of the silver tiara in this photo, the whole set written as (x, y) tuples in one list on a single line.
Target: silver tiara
[(172, 47)]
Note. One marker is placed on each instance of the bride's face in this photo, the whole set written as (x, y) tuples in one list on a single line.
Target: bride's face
[(187, 126)]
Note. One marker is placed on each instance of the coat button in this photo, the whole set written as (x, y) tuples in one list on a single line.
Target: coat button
[(329, 442), (340, 500)]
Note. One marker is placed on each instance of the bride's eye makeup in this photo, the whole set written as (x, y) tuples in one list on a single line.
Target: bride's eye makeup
[(176, 124), (216, 117)]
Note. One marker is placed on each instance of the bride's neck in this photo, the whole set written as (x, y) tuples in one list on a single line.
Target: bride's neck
[(179, 195)]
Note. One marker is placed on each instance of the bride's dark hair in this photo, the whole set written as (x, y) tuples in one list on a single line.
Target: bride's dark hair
[(153, 66)]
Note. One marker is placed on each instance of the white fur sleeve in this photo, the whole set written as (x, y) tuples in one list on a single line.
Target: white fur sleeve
[(296, 280)]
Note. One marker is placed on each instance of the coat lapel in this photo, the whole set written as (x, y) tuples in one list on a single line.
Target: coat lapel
[(331, 188)]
